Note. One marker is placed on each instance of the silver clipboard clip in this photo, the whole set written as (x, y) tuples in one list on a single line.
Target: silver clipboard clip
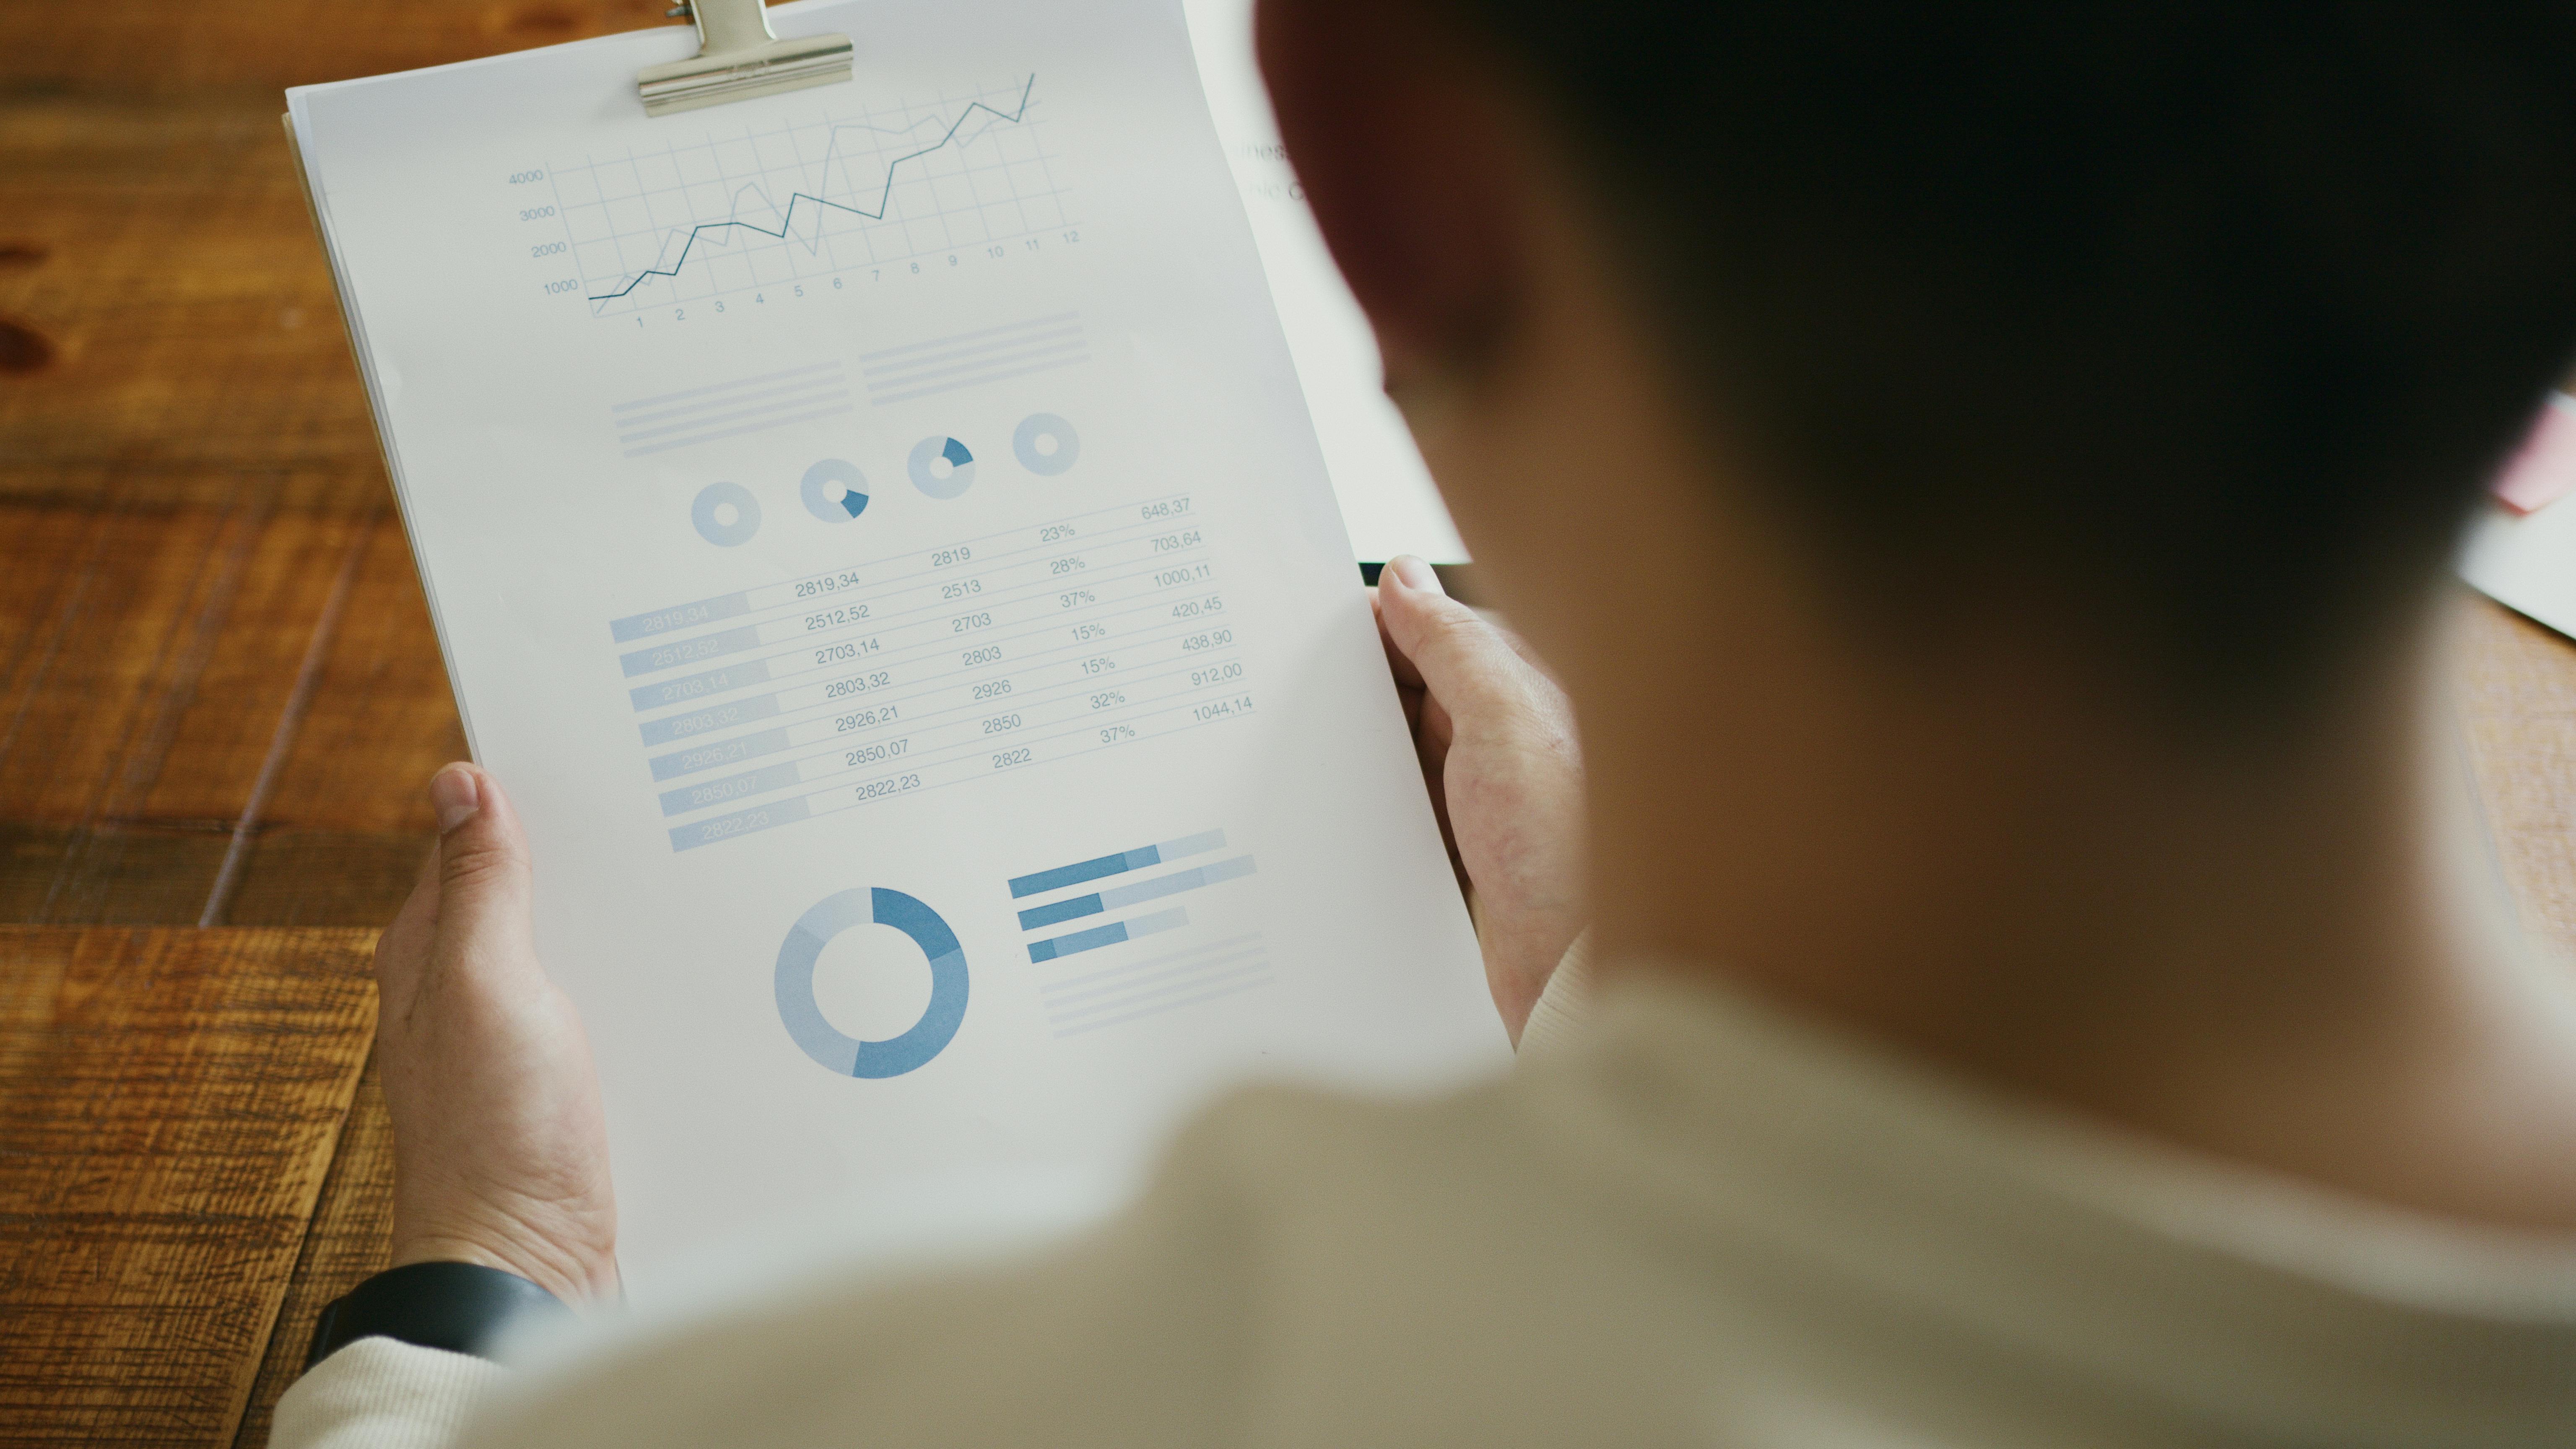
[(739, 57)]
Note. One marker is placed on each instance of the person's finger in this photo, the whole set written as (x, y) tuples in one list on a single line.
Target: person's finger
[(484, 880), (1470, 669), (403, 949), (1406, 676), (1408, 680)]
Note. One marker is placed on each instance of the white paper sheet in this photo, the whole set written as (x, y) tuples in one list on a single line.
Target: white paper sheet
[(2527, 563), (877, 535)]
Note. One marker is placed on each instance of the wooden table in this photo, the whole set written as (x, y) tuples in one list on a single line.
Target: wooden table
[(220, 695), (219, 698)]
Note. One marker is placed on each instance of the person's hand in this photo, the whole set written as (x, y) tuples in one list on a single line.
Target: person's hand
[(1497, 742), (500, 1147)]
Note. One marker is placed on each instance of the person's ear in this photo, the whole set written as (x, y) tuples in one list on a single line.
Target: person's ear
[(1403, 136)]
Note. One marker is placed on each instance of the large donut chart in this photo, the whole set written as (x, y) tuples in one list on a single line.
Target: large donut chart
[(827, 1044)]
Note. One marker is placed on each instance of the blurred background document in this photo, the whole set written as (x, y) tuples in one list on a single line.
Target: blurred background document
[(2522, 550), (1387, 496), (878, 534)]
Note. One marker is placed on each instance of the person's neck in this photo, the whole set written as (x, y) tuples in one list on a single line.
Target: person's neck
[(2300, 960)]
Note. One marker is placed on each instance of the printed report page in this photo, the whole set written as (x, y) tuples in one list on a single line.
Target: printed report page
[(877, 536)]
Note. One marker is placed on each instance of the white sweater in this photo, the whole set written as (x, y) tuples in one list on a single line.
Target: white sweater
[(1697, 1222)]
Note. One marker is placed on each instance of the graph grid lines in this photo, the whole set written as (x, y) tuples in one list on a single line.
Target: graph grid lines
[(738, 211)]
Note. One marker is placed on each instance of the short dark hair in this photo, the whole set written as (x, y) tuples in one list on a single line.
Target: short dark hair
[(2207, 321)]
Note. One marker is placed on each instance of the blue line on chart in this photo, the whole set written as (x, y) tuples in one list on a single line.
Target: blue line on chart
[(787, 223)]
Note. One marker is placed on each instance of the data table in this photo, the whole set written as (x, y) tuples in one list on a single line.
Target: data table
[(773, 704)]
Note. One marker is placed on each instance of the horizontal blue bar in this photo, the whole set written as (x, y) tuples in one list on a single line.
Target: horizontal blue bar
[(731, 787), (1176, 882), (1091, 940), (1128, 895), (1063, 910), (1108, 935), (1065, 875), (700, 686), (740, 822), (707, 757), (679, 616), (689, 651), (1118, 864), (713, 717)]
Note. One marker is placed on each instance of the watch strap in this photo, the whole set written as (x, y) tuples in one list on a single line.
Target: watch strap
[(459, 1307)]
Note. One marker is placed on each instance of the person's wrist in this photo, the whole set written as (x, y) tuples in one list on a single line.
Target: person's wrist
[(573, 1277), (464, 1308)]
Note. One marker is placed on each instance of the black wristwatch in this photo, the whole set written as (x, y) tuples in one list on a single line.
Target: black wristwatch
[(460, 1307)]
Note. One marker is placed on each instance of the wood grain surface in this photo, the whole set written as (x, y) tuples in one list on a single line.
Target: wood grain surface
[(220, 694), (348, 1238), (219, 689), (169, 1104), (2517, 706)]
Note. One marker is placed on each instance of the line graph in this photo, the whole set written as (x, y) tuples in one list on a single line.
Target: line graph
[(809, 200), (787, 224)]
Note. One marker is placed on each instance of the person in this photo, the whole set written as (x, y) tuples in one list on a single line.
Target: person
[(1983, 481)]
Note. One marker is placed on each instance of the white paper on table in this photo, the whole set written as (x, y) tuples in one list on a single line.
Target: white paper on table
[(2526, 563), (850, 576), (2522, 550)]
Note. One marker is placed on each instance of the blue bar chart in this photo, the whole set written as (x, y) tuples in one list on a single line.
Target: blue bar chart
[(1118, 987), (1121, 897)]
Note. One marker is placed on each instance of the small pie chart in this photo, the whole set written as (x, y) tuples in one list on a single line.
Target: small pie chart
[(835, 491), (941, 467), (725, 514), (1046, 444)]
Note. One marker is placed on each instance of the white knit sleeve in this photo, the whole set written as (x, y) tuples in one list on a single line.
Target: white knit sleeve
[(1566, 1002), (381, 1394)]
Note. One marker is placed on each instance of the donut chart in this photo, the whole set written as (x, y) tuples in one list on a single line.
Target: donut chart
[(930, 456), (827, 1044), (1046, 444), (834, 490), (725, 514)]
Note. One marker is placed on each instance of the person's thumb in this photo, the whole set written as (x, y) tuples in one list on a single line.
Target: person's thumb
[(1465, 663), (483, 873)]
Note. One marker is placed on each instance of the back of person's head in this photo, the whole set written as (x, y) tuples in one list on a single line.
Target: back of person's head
[(2203, 324)]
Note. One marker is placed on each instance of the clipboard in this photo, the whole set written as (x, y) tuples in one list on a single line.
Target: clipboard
[(739, 57), (786, 762)]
